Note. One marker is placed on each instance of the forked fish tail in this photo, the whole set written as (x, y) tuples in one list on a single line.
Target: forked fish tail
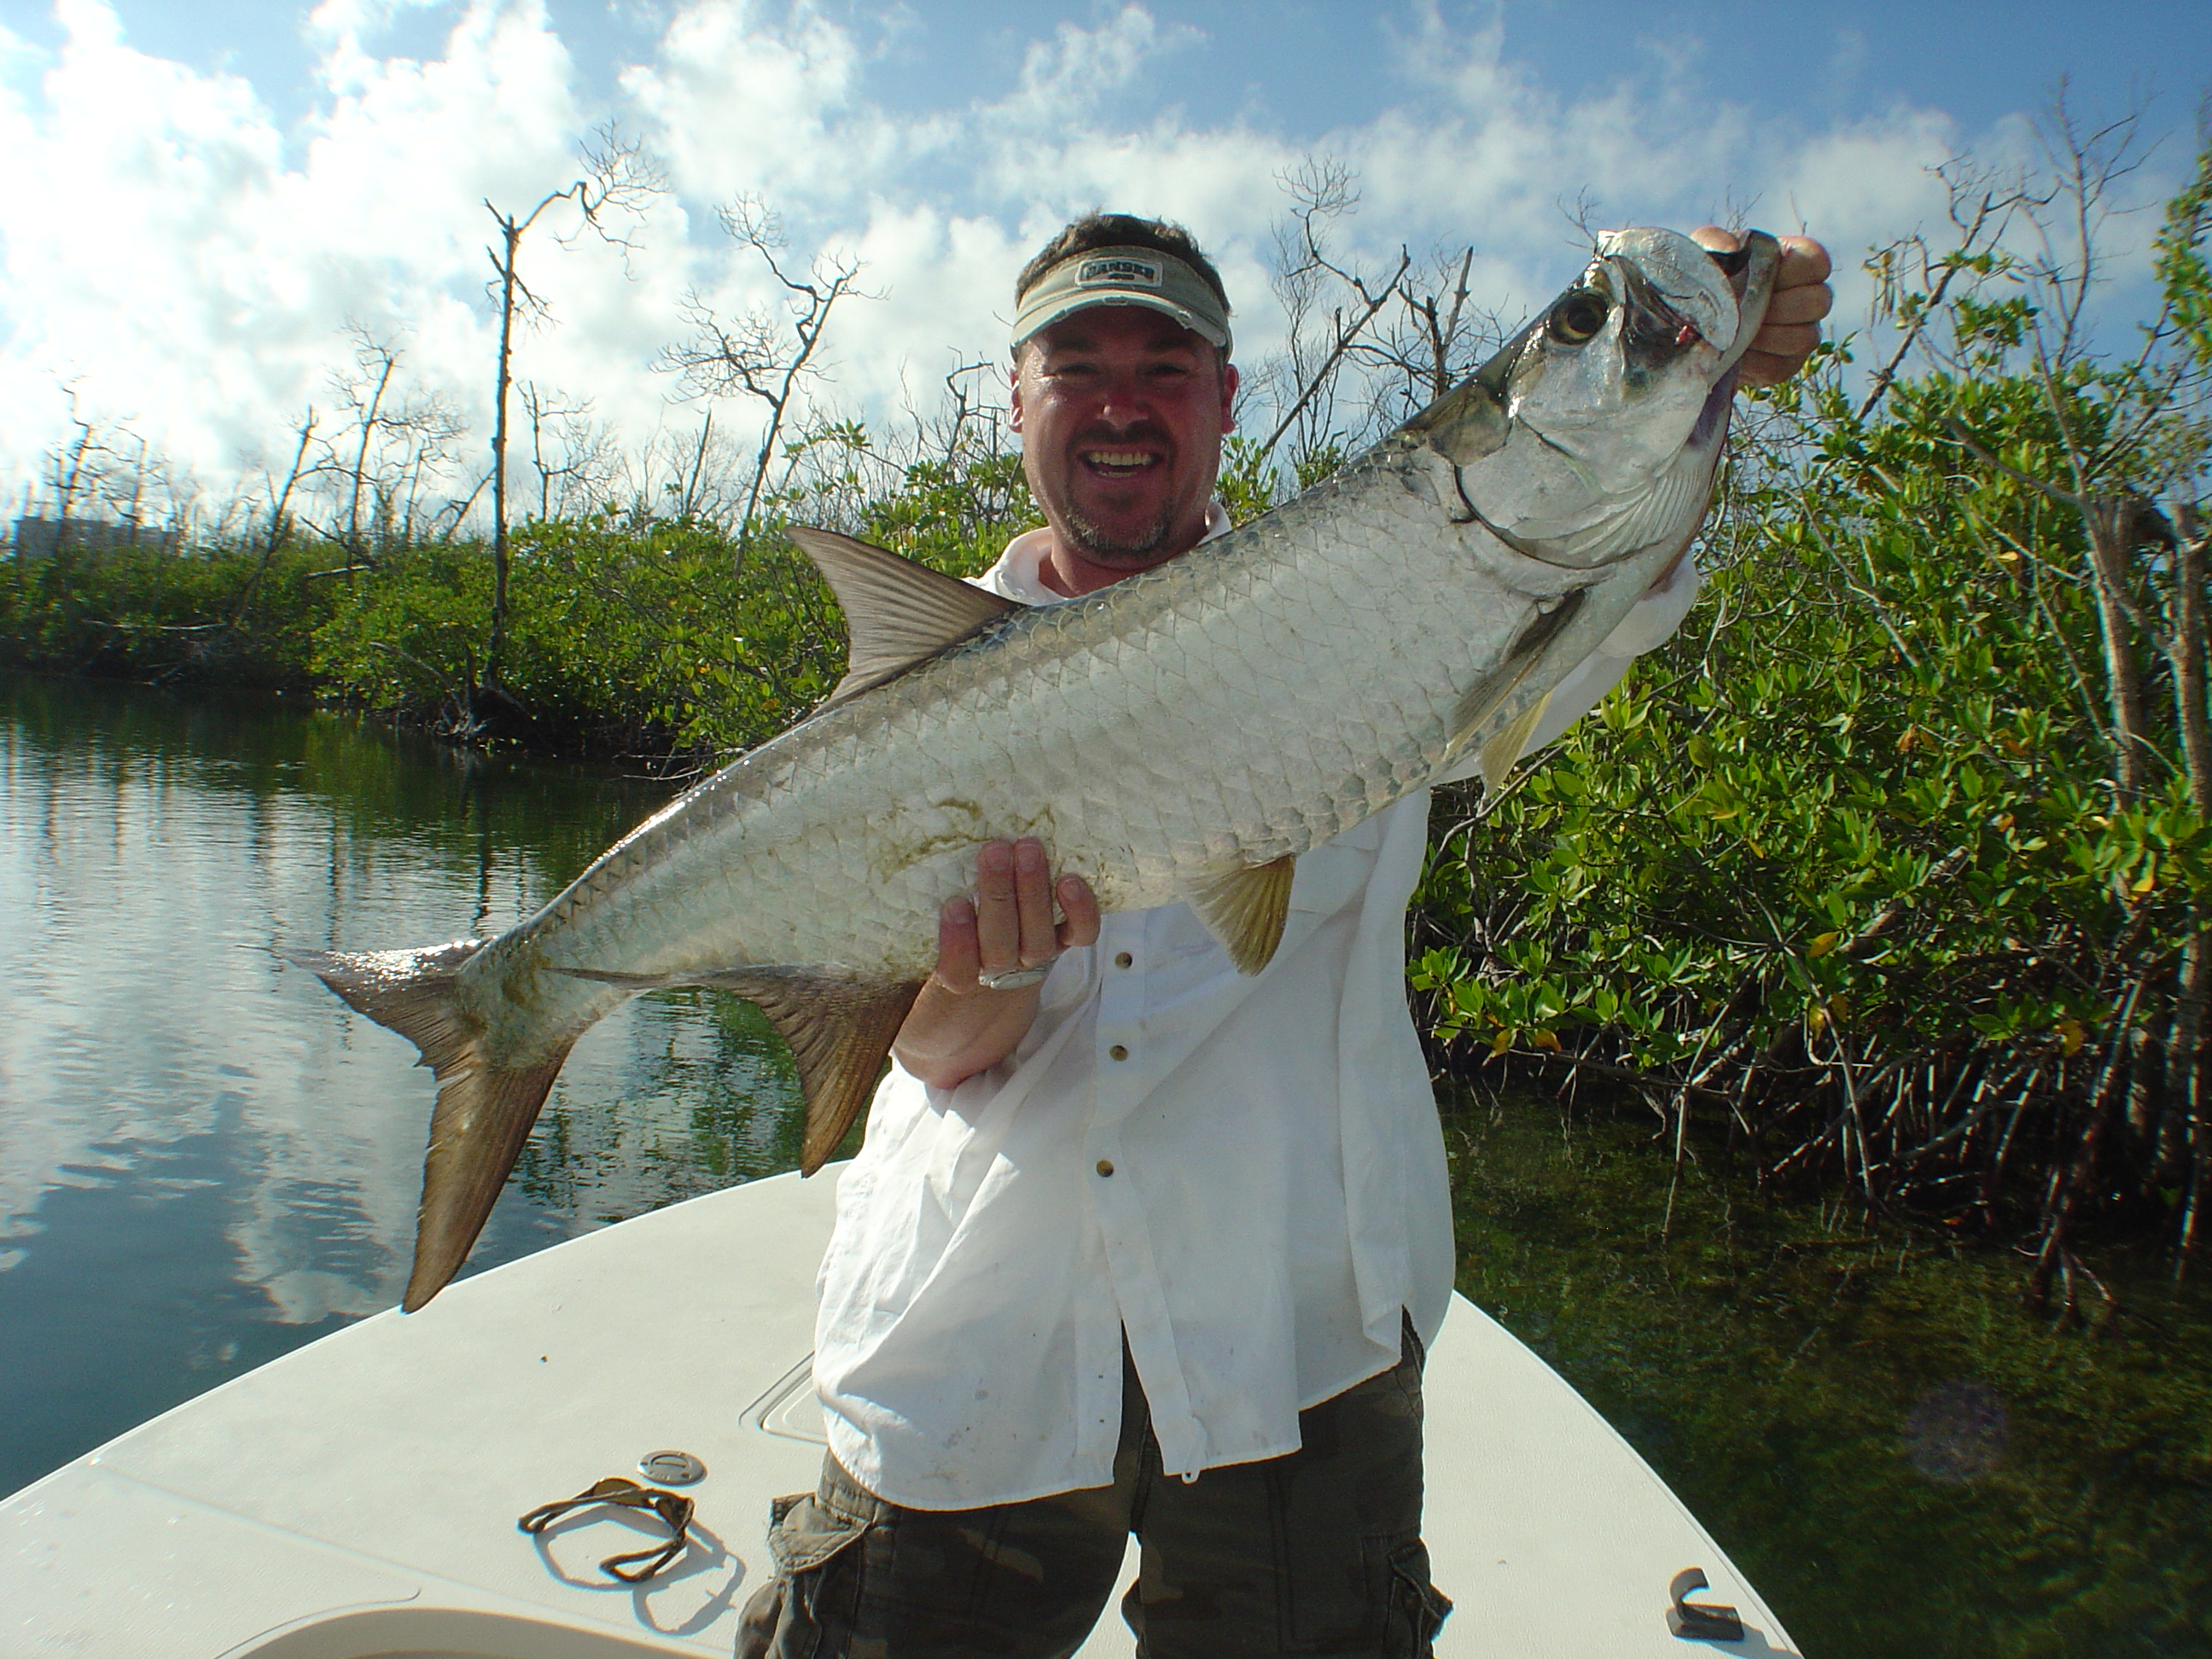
[(484, 1112)]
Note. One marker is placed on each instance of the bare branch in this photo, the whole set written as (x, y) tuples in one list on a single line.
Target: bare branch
[(771, 356)]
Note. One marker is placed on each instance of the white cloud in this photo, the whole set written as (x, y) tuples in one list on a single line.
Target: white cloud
[(1074, 70), (189, 262), (740, 102)]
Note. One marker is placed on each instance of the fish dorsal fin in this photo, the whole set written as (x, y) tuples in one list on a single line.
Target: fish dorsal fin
[(1244, 909), (896, 612), (839, 1030)]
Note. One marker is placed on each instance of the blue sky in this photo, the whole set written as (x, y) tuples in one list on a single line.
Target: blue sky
[(1299, 59), (207, 192)]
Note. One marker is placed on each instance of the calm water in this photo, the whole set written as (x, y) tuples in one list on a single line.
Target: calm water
[(205, 1159), (1906, 1460)]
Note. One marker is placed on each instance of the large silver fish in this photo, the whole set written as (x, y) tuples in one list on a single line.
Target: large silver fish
[(1184, 735)]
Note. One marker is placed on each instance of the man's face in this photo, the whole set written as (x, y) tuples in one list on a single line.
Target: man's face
[(1121, 412)]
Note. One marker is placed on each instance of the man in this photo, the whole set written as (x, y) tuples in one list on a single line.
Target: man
[(1137, 1243)]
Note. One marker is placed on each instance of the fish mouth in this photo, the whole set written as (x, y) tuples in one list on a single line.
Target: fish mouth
[(1750, 271), (1656, 332), (1734, 264), (1669, 301), (1653, 332)]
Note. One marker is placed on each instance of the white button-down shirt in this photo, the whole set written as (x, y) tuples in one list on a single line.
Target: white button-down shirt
[(1244, 1175)]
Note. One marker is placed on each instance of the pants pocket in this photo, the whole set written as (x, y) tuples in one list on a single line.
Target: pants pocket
[(806, 1608), (1418, 1608)]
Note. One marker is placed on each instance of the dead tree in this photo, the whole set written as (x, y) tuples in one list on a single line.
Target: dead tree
[(770, 354), (279, 528), (618, 179), (585, 457)]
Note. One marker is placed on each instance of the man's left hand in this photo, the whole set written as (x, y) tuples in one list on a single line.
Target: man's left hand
[(1802, 297)]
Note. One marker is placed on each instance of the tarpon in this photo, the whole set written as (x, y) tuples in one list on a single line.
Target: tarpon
[(1184, 735)]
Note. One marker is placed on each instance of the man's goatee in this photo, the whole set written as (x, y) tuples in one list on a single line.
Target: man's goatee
[(1101, 547)]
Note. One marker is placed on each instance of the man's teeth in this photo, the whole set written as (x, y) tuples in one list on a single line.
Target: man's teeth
[(1119, 460)]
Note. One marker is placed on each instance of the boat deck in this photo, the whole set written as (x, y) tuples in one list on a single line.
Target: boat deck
[(358, 1497)]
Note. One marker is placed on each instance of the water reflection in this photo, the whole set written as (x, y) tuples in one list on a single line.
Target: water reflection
[(204, 1158)]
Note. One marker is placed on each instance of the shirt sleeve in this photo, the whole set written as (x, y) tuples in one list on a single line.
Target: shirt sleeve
[(1649, 625)]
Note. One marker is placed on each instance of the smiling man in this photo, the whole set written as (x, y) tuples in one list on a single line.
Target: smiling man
[(1138, 1244), (1122, 408)]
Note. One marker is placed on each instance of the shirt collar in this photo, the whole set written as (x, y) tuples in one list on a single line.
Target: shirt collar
[(1018, 576)]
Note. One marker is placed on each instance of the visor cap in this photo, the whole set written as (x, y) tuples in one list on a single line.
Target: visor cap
[(1123, 276)]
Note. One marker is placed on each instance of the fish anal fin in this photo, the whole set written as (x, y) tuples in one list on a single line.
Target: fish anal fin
[(1245, 908), (484, 1111), (839, 1031), (897, 613)]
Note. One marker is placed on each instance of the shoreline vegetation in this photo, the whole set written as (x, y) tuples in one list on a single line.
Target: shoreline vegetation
[(1890, 875)]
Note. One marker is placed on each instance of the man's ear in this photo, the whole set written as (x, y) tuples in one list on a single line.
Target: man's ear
[(1014, 406), (1229, 379)]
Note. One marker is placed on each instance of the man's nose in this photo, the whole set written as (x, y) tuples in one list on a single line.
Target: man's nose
[(1125, 403)]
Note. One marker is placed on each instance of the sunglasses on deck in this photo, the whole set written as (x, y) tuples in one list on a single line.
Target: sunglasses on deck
[(673, 1508)]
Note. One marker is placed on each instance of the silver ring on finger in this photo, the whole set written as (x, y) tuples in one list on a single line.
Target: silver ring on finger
[(1015, 979)]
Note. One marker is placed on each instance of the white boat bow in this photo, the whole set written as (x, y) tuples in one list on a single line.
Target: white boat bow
[(358, 1496)]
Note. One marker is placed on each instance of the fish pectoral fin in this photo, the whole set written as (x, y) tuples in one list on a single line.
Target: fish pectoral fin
[(1503, 752), (1489, 694), (1244, 908), (897, 613), (839, 1031)]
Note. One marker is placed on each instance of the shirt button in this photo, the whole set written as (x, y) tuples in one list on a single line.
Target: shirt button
[(1105, 1166), (1118, 1052), (1123, 960)]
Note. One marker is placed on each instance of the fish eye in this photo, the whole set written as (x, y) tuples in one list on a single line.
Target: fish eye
[(1578, 316)]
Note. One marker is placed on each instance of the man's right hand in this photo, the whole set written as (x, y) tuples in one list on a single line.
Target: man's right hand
[(958, 1025)]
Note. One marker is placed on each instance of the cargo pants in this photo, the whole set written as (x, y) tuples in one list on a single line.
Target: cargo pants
[(1315, 1552)]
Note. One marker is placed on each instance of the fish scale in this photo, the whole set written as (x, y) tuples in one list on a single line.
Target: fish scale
[(1177, 735), (1292, 760)]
